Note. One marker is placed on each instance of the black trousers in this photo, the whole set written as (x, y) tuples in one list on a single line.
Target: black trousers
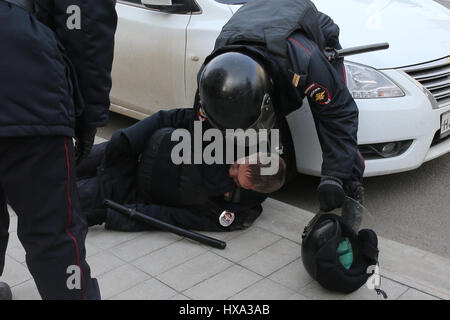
[(37, 178)]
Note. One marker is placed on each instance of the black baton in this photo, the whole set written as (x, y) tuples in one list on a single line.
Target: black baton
[(335, 54), (132, 213)]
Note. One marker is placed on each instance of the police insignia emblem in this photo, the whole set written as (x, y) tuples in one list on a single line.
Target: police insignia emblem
[(201, 115), (226, 218), (318, 93)]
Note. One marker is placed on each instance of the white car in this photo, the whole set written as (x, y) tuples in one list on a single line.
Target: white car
[(403, 93)]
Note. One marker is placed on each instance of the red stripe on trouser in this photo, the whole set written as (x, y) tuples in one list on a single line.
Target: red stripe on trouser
[(70, 218)]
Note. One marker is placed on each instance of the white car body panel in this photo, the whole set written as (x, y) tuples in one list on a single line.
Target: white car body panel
[(148, 70), (417, 30), (158, 56), (201, 36)]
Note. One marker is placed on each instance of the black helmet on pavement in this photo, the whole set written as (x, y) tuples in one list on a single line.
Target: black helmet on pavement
[(235, 93), (337, 257)]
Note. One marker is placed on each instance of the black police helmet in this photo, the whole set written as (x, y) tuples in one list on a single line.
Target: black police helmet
[(319, 253), (232, 89)]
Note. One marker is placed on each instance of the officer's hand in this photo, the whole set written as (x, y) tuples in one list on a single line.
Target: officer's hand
[(118, 148), (331, 193), (84, 140)]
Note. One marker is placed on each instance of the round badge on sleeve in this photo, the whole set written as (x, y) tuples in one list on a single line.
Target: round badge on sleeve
[(226, 218), (319, 94)]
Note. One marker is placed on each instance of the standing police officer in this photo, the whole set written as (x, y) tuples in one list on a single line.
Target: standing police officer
[(267, 59), (55, 80)]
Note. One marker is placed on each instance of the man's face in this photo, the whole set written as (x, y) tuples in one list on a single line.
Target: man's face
[(240, 174)]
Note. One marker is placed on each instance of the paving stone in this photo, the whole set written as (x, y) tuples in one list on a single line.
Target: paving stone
[(315, 292), (224, 235), (283, 219), (179, 296), (415, 268), (26, 291), (91, 249), (143, 245), (119, 280), (15, 273), (13, 223), (168, 257), (17, 253), (293, 276), (108, 239), (392, 289), (104, 262), (149, 290), (412, 294), (297, 296), (13, 240), (265, 289), (223, 285), (247, 244), (10, 210), (273, 257), (194, 271)]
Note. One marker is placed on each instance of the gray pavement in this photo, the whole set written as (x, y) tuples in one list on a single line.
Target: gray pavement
[(260, 263)]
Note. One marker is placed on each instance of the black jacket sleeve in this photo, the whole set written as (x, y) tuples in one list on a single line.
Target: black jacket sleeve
[(139, 133), (90, 49), (336, 117)]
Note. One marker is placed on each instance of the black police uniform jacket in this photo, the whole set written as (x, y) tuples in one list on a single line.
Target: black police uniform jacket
[(52, 76), (292, 44)]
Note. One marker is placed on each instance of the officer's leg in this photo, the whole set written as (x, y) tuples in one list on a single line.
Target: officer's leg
[(41, 189)]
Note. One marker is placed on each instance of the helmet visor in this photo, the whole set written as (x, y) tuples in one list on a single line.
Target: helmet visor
[(265, 121)]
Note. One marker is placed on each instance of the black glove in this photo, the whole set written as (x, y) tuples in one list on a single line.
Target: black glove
[(84, 140), (331, 193), (118, 148)]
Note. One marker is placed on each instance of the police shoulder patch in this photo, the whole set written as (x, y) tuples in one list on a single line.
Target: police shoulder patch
[(201, 115), (318, 94)]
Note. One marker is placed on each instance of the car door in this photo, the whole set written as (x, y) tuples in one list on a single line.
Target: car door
[(148, 70)]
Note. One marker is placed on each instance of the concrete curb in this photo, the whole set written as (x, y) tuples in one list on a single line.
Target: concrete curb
[(415, 268)]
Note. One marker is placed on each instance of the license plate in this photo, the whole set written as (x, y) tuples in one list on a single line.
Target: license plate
[(445, 124)]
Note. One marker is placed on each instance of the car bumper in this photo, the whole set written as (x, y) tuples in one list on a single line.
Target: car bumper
[(412, 117)]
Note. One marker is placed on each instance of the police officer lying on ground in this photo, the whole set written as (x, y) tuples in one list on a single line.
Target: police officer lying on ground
[(206, 197), (261, 69)]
